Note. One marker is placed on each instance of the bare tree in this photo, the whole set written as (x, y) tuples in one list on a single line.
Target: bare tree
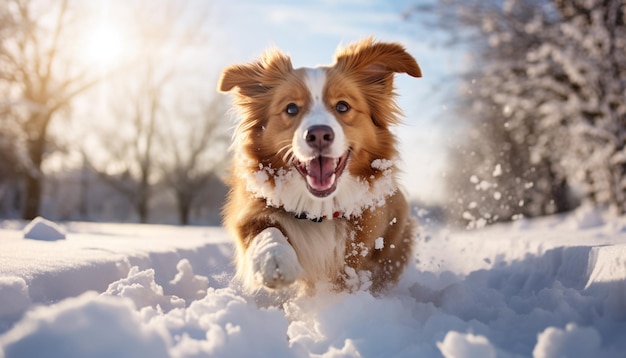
[(130, 167), (40, 79), (193, 151), (13, 158), (9, 143), (143, 104)]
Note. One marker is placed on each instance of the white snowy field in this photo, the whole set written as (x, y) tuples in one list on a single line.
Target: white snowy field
[(552, 287)]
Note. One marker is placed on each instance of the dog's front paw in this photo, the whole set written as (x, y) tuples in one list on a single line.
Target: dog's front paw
[(274, 261)]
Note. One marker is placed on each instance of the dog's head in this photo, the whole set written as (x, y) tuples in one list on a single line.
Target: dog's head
[(311, 129)]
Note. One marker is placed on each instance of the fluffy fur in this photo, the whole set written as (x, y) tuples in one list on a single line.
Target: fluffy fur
[(314, 197)]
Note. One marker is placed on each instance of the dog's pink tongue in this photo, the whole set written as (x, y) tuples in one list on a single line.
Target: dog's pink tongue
[(321, 170)]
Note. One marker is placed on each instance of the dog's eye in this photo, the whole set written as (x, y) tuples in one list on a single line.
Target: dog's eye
[(292, 109), (342, 107)]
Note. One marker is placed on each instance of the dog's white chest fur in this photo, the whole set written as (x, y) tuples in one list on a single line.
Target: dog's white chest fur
[(352, 197), (320, 247)]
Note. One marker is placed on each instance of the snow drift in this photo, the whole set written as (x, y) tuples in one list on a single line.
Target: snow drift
[(552, 287)]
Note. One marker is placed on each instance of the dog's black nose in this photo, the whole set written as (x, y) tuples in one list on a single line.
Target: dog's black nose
[(319, 137)]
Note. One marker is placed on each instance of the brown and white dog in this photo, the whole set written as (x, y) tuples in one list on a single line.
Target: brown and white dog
[(314, 197)]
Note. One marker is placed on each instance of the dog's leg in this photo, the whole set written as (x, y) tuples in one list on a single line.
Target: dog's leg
[(273, 261), (382, 242)]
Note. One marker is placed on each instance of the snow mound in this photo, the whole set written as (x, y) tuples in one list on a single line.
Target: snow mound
[(140, 288), (85, 326), (225, 324), (459, 345), (186, 284), (43, 230), (572, 342), (14, 296), (586, 217)]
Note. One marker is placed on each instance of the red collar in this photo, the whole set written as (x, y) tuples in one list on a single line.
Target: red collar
[(336, 214)]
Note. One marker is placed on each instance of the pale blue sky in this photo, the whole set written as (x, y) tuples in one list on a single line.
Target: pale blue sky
[(310, 31)]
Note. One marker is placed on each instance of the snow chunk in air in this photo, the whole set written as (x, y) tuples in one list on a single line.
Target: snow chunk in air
[(43, 230), (379, 244)]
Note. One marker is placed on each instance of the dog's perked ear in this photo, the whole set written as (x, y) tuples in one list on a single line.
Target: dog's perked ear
[(256, 77), (376, 62)]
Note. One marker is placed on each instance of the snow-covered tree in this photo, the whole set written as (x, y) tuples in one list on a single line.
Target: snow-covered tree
[(543, 103), (581, 67)]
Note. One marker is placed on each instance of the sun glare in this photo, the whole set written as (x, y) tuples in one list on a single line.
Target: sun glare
[(105, 46)]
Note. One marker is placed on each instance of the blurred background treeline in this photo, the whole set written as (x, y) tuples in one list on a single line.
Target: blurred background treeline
[(109, 112), (103, 119)]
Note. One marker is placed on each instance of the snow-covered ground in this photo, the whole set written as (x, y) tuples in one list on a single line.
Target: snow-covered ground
[(552, 287)]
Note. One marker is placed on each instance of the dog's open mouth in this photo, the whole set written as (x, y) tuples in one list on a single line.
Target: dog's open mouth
[(321, 173)]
